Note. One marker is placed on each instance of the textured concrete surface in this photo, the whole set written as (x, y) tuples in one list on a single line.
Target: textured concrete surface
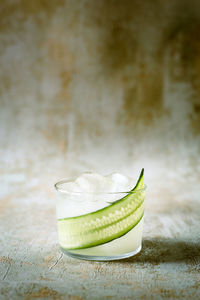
[(32, 266), (99, 86)]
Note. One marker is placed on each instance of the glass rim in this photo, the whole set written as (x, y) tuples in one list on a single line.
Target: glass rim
[(65, 191)]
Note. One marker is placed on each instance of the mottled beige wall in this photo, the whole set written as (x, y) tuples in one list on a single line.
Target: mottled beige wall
[(105, 85)]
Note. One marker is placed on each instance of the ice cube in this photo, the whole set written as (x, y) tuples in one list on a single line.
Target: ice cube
[(84, 182), (120, 182), (94, 183), (71, 187)]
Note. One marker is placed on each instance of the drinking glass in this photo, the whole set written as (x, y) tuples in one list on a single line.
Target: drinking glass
[(99, 226)]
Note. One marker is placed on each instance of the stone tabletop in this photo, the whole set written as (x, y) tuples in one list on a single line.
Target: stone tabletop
[(33, 267)]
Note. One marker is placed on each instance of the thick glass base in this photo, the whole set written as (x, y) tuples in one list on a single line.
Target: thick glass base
[(101, 258)]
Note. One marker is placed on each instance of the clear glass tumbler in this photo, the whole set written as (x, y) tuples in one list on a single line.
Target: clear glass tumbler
[(99, 226)]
